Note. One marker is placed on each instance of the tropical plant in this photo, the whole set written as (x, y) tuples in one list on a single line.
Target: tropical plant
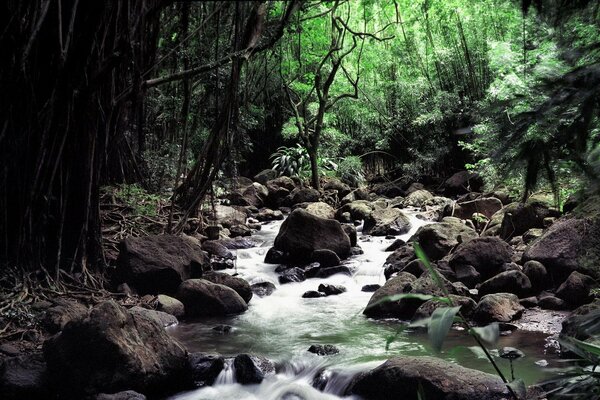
[(294, 161), (350, 171)]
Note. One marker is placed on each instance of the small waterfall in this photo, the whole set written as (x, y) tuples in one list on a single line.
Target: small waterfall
[(227, 375)]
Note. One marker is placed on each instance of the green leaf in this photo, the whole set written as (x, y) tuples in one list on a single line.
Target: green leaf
[(518, 386), (488, 334), (420, 392), (441, 321)]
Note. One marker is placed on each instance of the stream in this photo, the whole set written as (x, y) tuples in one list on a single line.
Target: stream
[(282, 327)]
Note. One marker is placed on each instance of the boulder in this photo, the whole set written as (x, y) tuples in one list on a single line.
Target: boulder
[(575, 290), (396, 244), (23, 377), (312, 294), (170, 305), (404, 308), (112, 350), (241, 286), (325, 258), (216, 248), (358, 210), (487, 206), (227, 215), (417, 198), (292, 275), (331, 290), (304, 195), (399, 259), (205, 368), (356, 194), (263, 289), (252, 369), (507, 282), (329, 271), (520, 217), (486, 254), (61, 312), (438, 239), (320, 209), (204, 298), (266, 214), (549, 302), (161, 318), (323, 350), (435, 208), (537, 274), (265, 175), (238, 243), (400, 378), (340, 187), (302, 233), (463, 182), (576, 323), (467, 305), (499, 307), (275, 256), (386, 221), (279, 188), (351, 232), (467, 274), (370, 288), (159, 263)]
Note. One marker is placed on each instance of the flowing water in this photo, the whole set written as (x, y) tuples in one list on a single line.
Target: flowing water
[(282, 326)]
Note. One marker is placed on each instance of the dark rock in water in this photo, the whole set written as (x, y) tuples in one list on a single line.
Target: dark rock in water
[(370, 288), (537, 274), (400, 378), (396, 244), (467, 274), (330, 290), (279, 188), (529, 302), (292, 275), (358, 210), (219, 263), (159, 263), (398, 260), (467, 305), (241, 286), (266, 214), (576, 289), (23, 377), (63, 311), (438, 239), (162, 318), (549, 302), (216, 248), (327, 272), (302, 233), (222, 328), (323, 350), (204, 298), (405, 308), (275, 256), (326, 258), (356, 251), (312, 270), (112, 350), (351, 232), (205, 368), (252, 369), (262, 289), (126, 395), (386, 221), (463, 182), (313, 294), (497, 307), (507, 282), (486, 254), (238, 243), (170, 305)]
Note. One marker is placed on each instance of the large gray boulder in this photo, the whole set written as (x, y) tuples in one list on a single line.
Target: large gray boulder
[(507, 282), (575, 290), (159, 263), (203, 298), (520, 217), (400, 378), (302, 233), (486, 254), (358, 210), (386, 221), (497, 307), (112, 350), (417, 198), (252, 369), (241, 286), (487, 206), (404, 309), (438, 239), (463, 182)]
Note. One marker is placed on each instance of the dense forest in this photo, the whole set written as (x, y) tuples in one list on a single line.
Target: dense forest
[(432, 166)]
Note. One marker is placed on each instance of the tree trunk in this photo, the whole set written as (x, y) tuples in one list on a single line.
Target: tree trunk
[(314, 167)]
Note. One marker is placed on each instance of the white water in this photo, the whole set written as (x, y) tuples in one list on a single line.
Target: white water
[(282, 326)]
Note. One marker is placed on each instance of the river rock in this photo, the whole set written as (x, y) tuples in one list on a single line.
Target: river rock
[(537, 274), (417, 198), (111, 350), (400, 378), (330, 290), (520, 217), (205, 368), (61, 312), (263, 289), (463, 182), (351, 232), (323, 350), (265, 175), (575, 324), (304, 195), (312, 294), (486, 254), (559, 248), (125, 395), (404, 308), (275, 256), (23, 377), (500, 307), (358, 210), (302, 233), (238, 243), (252, 369), (266, 214), (550, 302), (290, 275), (320, 209), (398, 260), (386, 221), (279, 188), (216, 248), (576, 289), (204, 298), (241, 286), (507, 282), (327, 272), (161, 318), (467, 274), (159, 263), (227, 216), (438, 239), (467, 305), (325, 258), (487, 206)]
